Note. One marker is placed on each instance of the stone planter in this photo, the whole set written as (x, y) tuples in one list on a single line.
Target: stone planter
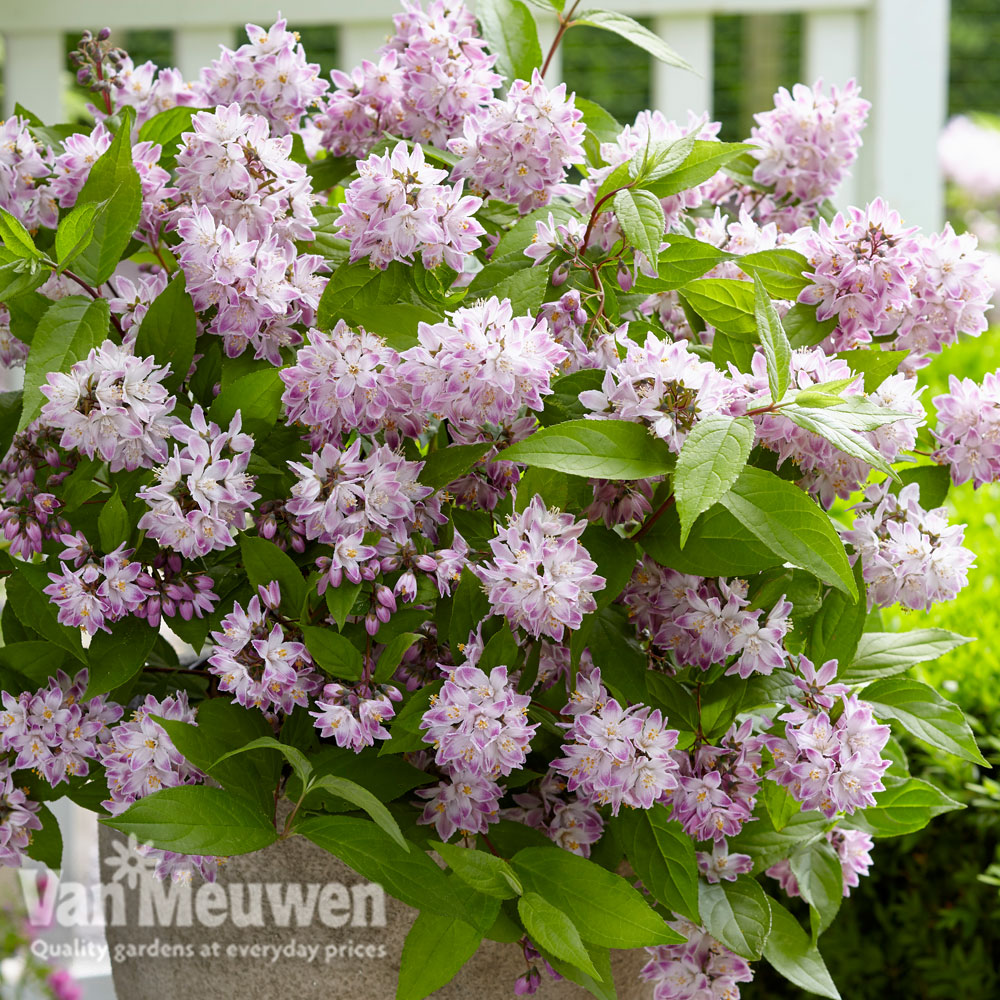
[(245, 938)]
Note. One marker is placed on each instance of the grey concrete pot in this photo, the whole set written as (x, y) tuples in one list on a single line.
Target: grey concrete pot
[(170, 942)]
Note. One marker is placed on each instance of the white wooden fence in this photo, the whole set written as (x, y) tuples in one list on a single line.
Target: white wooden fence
[(897, 49)]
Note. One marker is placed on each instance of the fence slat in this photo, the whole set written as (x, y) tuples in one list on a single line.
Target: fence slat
[(196, 48), (361, 41), (33, 73), (907, 79), (676, 91), (833, 51)]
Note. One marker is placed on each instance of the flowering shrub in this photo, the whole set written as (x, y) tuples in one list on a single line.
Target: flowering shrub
[(362, 441)]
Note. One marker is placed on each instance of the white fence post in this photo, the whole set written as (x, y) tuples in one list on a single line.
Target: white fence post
[(833, 51), (196, 48), (361, 41), (907, 76), (547, 28), (676, 91), (34, 65)]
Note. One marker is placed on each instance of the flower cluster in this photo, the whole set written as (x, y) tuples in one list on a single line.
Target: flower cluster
[(541, 578), (879, 279), (423, 83), (827, 471), (968, 429), (464, 802), (482, 365), (852, 847), (566, 820), (619, 755), (112, 404), (340, 496), (716, 793), (18, 820), (256, 663), (354, 717), (24, 169), (268, 75), (347, 380), (96, 592), (520, 149), (807, 143), (908, 555), (662, 384), (54, 731), (140, 758), (826, 765), (699, 969), (702, 621), (477, 723), (200, 497), (29, 521), (244, 202), (398, 207)]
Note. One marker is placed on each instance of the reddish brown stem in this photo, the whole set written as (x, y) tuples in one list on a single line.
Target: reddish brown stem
[(653, 518), (565, 20)]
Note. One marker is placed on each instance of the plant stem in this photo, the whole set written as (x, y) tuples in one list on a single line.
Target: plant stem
[(94, 294), (653, 518), (565, 21)]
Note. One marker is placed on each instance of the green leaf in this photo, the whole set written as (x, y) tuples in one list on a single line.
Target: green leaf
[(224, 725), (354, 286), (933, 483), (16, 238), (116, 658), (113, 524), (10, 414), (359, 796), (681, 262), (600, 449), (469, 608), (511, 35), (625, 27), (513, 279), (839, 623), (333, 653), (605, 908), (704, 161), (435, 948), (791, 525), (777, 350), (906, 805), (397, 325), (294, 756), (340, 600), (409, 875), (264, 562), (66, 333), (821, 883), (168, 331), (445, 465), (882, 653), (779, 271), (663, 857), (802, 327), (736, 914), (725, 303), (875, 366), (550, 927), (524, 232), (611, 640), (657, 158), (46, 845), (34, 610), (112, 179), (642, 222), (711, 459), (165, 129), (925, 714), (197, 819), (767, 845), (392, 655), (76, 232), (256, 396), (790, 951), (717, 545), (837, 425), (485, 872), (778, 802)]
